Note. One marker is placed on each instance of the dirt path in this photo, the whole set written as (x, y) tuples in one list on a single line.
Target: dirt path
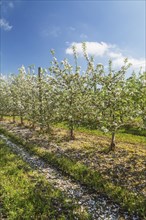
[(98, 206)]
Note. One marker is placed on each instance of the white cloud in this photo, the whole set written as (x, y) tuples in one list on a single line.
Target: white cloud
[(138, 63), (108, 51), (78, 48), (92, 48), (118, 61), (114, 55), (5, 25)]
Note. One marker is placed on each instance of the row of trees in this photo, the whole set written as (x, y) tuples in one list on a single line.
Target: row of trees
[(63, 92)]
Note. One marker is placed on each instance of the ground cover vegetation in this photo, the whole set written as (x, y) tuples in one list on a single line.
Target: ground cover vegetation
[(120, 174), (93, 105), (26, 194)]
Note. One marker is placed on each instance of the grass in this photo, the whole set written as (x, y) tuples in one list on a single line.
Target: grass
[(129, 135), (102, 180), (133, 137), (25, 194)]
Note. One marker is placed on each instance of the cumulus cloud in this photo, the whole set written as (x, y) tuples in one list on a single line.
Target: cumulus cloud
[(107, 51), (5, 25), (136, 63), (92, 48), (115, 55)]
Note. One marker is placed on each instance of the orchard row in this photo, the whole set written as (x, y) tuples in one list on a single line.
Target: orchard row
[(105, 99)]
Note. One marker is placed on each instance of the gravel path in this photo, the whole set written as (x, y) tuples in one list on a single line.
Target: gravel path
[(99, 207)]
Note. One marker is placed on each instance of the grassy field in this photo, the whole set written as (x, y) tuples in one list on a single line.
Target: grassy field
[(25, 194), (120, 174)]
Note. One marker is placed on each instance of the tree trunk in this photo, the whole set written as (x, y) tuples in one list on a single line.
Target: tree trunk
[(21, 120), (72, 137), (112, 145), (1, 118), (33, 125), (14, 118), (48, 127), (71, 127), (40, 99)]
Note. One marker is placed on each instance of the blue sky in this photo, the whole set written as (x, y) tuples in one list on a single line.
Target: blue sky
[(112, 29)]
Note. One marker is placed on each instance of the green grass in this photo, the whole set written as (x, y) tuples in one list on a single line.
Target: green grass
[(122, 135), (25, 194), (131, 135), (87, 176)]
